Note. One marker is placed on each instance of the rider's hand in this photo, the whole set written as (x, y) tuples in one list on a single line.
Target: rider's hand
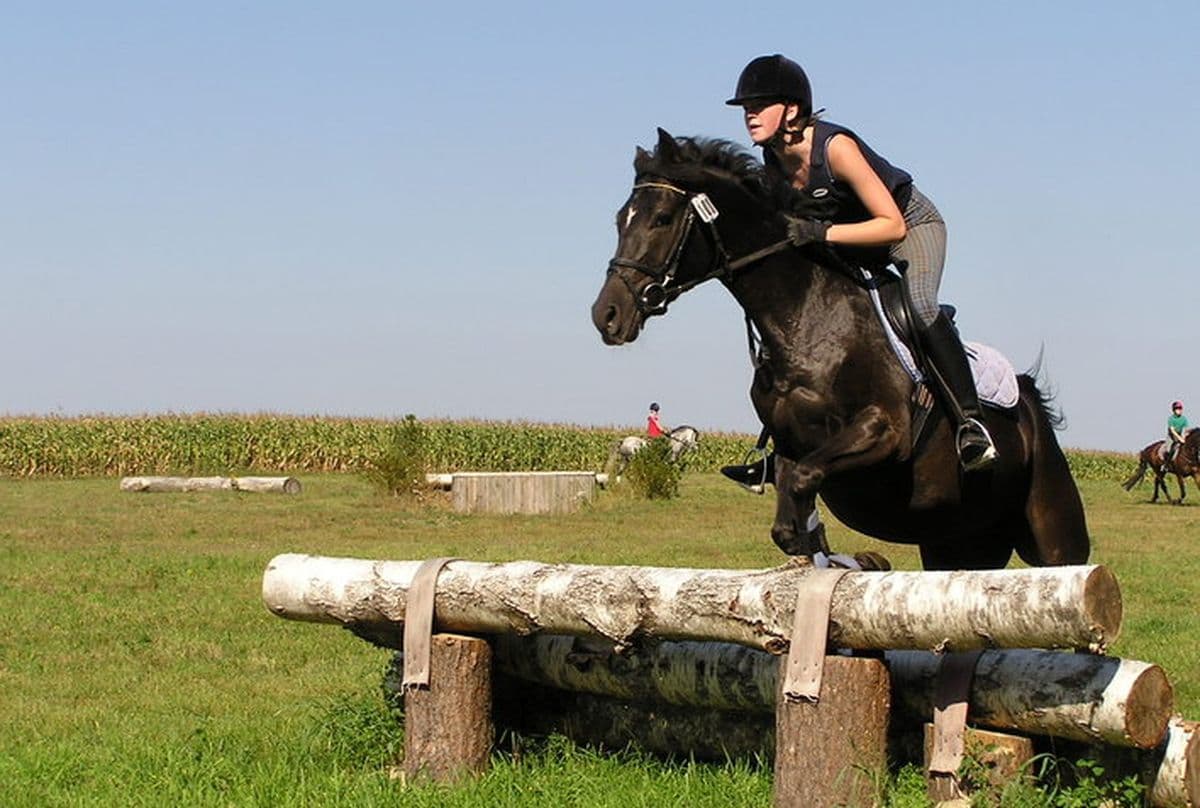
[(805, 231)]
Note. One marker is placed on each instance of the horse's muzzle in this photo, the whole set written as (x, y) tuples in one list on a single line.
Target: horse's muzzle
[(617, 320)]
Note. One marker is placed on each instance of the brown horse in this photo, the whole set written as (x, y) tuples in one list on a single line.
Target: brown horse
[(1186, 463), (827, 385)]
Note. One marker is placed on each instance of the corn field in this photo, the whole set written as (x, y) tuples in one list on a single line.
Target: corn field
[(89, 446)]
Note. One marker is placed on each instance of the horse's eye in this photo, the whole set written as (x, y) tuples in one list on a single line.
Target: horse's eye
[(662, 220)]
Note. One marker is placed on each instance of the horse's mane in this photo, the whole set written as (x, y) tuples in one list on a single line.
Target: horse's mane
[(692, 160)]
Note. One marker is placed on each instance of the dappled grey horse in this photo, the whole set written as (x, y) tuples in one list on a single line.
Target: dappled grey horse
[(683, 440)]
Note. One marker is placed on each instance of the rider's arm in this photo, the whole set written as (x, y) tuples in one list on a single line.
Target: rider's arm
[(886, 225)]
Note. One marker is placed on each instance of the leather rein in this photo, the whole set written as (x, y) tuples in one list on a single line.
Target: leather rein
[(653, 297)]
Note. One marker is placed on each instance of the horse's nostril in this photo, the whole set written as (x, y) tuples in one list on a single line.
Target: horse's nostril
[(610, 315)]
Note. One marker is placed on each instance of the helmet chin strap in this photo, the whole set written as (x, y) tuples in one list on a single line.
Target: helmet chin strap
[(786, 137)]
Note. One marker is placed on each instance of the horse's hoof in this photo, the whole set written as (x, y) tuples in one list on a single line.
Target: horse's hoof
[(872, 562)]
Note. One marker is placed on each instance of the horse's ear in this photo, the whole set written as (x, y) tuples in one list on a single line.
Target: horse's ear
[(667, 147)]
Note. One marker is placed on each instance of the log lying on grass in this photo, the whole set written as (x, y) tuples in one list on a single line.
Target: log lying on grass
[(1076, 696), (264, 485), (1074, 607)]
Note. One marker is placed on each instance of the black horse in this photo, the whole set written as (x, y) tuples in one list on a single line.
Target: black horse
[(827, 386), (1185, 463)]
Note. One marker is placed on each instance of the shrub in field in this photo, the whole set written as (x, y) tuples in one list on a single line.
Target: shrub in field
[(651, 472), (399, 468)]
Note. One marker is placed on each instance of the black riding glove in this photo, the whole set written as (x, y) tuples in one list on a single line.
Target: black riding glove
[(805, 231)]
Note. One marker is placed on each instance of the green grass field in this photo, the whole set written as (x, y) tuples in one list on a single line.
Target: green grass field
[(139, 667)]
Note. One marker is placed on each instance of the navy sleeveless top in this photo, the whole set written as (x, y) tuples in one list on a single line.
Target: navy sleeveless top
[(821, 181), (837, 200)]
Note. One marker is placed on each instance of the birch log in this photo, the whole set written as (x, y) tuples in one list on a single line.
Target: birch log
[(1075, 607), (1176, 782), (1081, 697), (280, 485), (1106, 700)]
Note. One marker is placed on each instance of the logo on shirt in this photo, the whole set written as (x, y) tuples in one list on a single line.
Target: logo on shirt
[(820, 192)]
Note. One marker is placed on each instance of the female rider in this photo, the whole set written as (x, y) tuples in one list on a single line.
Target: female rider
[(876, 216)]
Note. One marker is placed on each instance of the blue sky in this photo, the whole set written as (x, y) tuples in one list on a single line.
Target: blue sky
[(381, 208)]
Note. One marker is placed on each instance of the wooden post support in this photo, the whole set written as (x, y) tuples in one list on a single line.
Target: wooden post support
[(448, 726), (829, 752), (1003, 758)]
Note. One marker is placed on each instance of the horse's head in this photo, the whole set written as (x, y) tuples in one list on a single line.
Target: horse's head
[(668, 239)]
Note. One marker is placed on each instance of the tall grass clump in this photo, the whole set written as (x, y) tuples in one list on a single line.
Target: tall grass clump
[(652, 473), (399, 467)]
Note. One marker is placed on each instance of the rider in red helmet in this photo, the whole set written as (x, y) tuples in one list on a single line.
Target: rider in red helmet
[(1177, 425), (874, 215)]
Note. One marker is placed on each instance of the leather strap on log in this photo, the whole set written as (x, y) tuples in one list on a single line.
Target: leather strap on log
[(418, 623), (810, 634), (952, 690)]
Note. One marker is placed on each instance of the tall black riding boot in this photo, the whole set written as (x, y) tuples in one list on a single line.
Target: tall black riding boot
[(956, 387), (758, 473)]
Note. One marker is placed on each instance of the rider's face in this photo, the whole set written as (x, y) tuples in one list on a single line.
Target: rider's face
[(764, 117)]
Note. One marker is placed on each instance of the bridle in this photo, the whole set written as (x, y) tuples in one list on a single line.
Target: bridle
[(652, 299)]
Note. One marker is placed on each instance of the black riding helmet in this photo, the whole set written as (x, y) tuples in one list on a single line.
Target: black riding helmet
[(773, 77)]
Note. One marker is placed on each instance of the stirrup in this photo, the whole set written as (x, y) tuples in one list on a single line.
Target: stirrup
[(968, 429)]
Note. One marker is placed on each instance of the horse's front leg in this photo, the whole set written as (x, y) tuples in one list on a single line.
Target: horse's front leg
[(869, 438), (797, 529)]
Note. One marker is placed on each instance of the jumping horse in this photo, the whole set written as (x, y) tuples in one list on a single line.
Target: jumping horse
[(1186, 463), (827, 386)]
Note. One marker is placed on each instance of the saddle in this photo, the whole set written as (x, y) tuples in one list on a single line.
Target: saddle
[(995, 379)]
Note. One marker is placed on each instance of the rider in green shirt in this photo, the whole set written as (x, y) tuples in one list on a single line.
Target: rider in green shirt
[(1177, 424)]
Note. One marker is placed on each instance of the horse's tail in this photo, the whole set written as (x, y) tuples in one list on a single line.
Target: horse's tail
[(1137, 475)]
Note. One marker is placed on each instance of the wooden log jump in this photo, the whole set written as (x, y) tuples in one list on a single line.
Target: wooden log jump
[(506, 492), (262, 485), (678, 654), (445, 481), (1048, 607)]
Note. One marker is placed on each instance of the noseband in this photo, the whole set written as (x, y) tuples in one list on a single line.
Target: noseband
[(653, 297)]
